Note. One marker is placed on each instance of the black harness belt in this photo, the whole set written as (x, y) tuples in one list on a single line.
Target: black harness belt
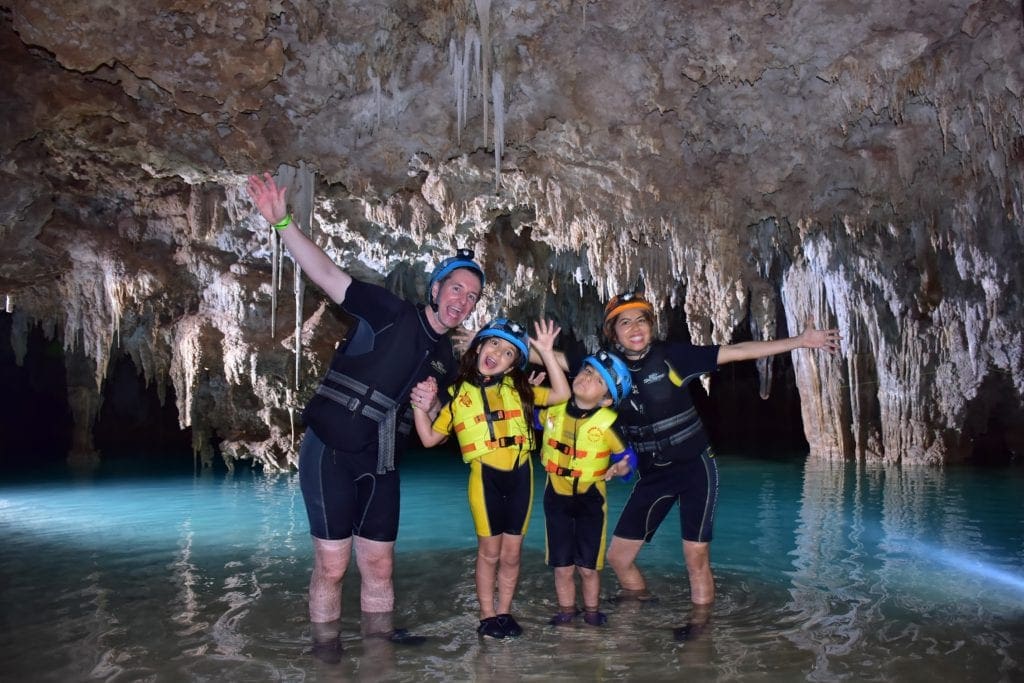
[(370, 403)]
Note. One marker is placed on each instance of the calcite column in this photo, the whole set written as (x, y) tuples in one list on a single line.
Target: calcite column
[(85, 401)]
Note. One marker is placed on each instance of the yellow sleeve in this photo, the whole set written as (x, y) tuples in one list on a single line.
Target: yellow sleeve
[(443, 421), (540, 396), (614, 441)]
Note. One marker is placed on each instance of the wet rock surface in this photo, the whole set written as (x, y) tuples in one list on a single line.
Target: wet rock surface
[(752, 165)]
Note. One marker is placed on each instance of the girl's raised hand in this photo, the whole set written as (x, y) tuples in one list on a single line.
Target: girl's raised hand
[(545, 331)]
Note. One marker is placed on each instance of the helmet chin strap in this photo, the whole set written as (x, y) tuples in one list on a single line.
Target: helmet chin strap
[(632, 355), (437, 316)]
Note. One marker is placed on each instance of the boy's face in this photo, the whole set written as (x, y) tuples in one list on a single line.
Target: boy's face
[(589, 390), (496, 357)]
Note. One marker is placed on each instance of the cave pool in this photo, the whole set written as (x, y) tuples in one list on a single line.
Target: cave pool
[(825, 571)]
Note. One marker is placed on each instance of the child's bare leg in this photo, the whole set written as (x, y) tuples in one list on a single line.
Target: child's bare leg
[(565, 589), (487, 556), (508, 570)]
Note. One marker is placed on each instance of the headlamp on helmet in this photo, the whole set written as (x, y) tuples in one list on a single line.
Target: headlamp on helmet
[(630, 301), (614, 372), (510, 331), (463, 259)]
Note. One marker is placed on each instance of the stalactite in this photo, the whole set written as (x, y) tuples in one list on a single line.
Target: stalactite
[(186, 360), (498, 93), (483, 11), (301, 183), (19, 336), (378, 95), (275, 278), (464, 66), (762, 327)]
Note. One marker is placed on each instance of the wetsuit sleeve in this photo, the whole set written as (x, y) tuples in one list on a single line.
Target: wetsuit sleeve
[(539, 415), (688, 360), (620, 449), (372, 303), (631, 458)]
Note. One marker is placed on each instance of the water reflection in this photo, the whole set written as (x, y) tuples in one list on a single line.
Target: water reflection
[(894, 559), (825, 571)]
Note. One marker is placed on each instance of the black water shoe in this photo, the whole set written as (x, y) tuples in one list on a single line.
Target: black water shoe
[(327, 651), (511, 626), (691, 631), (490, 628), (563, 618)]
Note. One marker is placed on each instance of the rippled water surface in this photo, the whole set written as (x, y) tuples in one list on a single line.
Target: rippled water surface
[(825, 572)]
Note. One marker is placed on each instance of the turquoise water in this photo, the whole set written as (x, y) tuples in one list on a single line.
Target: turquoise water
[(825, 572)]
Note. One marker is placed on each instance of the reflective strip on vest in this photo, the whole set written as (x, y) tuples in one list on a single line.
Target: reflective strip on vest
[(475, 429), (585, 465)]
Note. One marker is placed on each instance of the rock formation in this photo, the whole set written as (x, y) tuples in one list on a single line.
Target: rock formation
[(751, 164)]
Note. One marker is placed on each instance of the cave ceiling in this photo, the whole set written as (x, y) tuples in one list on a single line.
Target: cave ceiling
[(751, 164)]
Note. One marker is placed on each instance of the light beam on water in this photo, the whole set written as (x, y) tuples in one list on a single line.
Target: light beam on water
[(823, 572)]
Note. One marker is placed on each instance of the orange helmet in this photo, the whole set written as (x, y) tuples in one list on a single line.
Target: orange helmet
[(630, 301)]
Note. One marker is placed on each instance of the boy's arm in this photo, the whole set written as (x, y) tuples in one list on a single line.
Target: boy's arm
[(623, 465), (546, 332)]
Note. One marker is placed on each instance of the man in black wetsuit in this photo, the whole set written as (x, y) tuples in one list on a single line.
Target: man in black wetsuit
[(360, 414)]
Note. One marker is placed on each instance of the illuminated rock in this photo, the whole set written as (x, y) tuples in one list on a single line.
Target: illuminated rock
[(747, 163)]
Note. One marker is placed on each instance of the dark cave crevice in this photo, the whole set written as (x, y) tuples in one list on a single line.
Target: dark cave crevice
[(132, 422), (35, 420)]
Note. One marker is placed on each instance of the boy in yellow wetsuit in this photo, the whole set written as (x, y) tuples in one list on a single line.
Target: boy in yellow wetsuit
[(490, 412), (580, 452)]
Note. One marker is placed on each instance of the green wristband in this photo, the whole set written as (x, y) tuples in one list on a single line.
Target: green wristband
[(285, 222)]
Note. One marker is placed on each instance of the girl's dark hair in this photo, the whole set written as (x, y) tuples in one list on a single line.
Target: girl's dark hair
[(520, 381)]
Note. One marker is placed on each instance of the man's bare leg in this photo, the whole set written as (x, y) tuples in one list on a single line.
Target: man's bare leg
[(376, 562), (330, 561)]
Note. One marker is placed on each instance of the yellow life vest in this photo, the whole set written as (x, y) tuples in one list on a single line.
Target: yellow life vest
[(583, 454), (482, 430)]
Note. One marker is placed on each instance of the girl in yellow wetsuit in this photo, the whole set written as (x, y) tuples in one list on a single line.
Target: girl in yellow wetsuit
[(490, 412)]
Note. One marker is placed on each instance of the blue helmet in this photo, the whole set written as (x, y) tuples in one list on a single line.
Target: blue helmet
[(463, 259), (614, 372), (510, 331)]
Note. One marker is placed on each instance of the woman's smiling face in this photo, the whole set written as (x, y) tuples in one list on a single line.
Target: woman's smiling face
[(633, 331)]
